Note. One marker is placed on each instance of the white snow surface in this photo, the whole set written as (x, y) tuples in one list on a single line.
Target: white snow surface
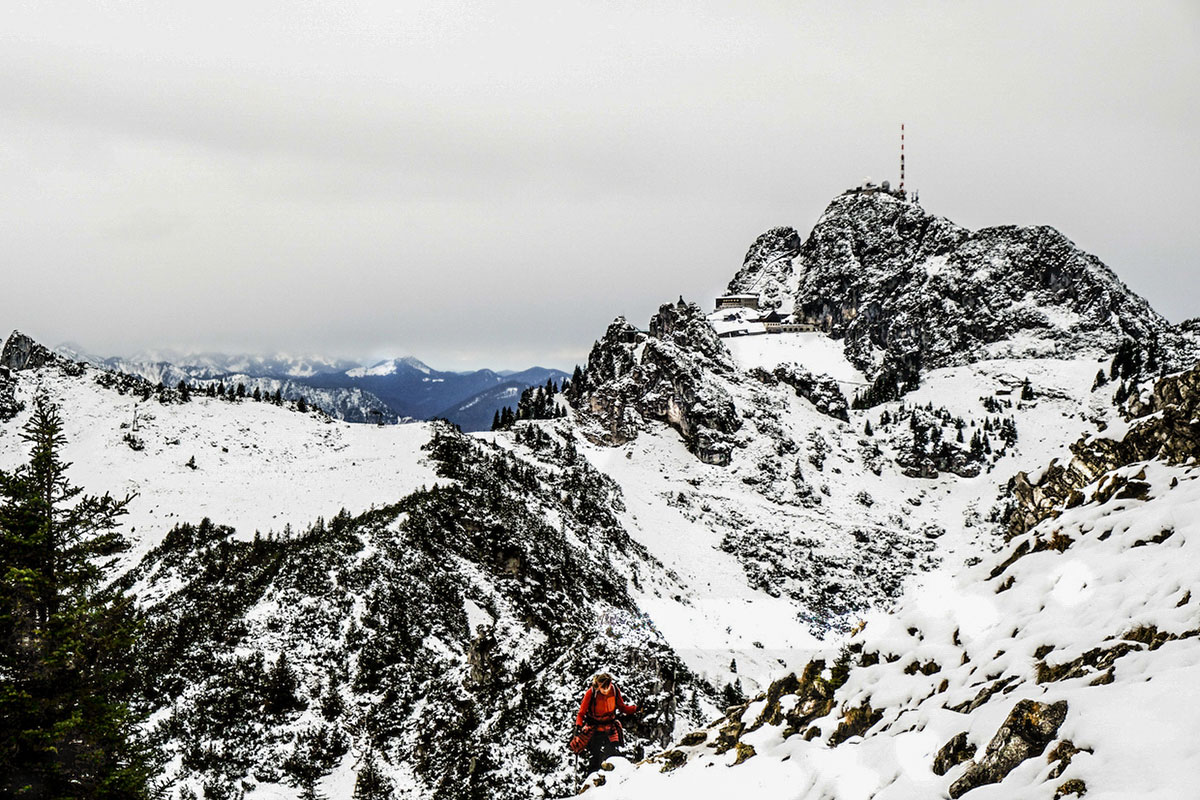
[(816, 352), (377, 370), (722, 618), (259, 467), (1141, 728)]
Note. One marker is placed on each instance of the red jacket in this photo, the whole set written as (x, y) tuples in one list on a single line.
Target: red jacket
[(600, 710)]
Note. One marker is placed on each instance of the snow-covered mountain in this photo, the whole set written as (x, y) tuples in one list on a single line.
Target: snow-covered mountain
[(713, 523), (905, 289), (389, 391), (412, 389)]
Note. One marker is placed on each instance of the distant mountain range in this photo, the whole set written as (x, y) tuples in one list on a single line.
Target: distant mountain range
[(393, 390)]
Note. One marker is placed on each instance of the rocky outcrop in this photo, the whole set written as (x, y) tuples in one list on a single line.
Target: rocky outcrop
[(1030, 727), (20, 353), (1167, 429), (895, 281), (953, 753), (665, 373), (820, 390), (768, 268)]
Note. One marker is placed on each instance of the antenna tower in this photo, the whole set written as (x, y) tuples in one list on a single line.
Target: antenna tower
[(901, 156)]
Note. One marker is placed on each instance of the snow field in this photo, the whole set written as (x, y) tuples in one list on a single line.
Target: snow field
[(1102, 587), (259, 467)]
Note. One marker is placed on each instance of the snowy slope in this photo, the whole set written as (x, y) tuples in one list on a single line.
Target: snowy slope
[(1096, 608), (258, 467), (812, 522)]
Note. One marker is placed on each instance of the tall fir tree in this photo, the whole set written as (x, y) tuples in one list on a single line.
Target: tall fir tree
[(66, 728), (372, 783)]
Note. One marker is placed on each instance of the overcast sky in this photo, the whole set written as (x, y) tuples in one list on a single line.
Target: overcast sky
[(489, 184)]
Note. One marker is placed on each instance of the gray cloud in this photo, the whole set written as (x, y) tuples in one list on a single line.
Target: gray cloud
[(489, 186)]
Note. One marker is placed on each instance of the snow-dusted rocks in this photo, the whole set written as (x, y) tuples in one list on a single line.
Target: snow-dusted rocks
[(1029, 728), (892, 279), (768, 268), (1061, 665), (666, 374), (21, 352), (1165, 427)]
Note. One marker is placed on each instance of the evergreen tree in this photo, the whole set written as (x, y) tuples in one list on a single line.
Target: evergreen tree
[(277, 398), (1122, 393), (1124, 362), (279, 694), (496, 421), (733, 694), (372, 784), (302, 405), (524, 405), (241, 391), (66, 729), (185, 393), (920, 436)]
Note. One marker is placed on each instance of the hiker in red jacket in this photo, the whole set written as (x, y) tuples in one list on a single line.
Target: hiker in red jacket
[(596, 725)]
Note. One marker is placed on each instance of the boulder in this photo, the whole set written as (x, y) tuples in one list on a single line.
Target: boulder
[(1030, 727), (953, 753)]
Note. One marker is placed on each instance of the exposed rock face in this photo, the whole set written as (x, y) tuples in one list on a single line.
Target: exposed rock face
[(1030, 727), (820, 390), (20, 352), (1167, 428), (769, 267), (663, 374), (887, 275), (23, 353), (953, 753)]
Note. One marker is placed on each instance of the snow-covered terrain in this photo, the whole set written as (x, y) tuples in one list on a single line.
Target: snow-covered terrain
[(853, 551), (1097, 609), (257, 467)]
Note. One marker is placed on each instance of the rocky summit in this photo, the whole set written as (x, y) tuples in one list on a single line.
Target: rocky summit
[(899, 284)]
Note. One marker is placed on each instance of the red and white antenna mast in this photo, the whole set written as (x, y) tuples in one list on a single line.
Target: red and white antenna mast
[(901, 156)]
